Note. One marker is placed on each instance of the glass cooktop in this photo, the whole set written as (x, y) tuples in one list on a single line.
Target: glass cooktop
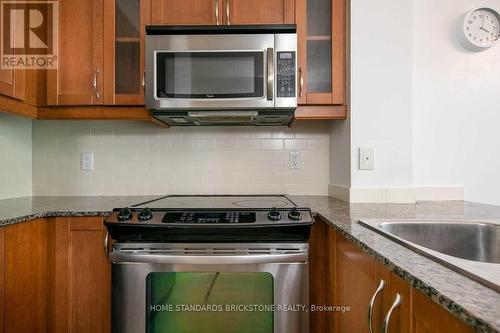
[(219, 202)]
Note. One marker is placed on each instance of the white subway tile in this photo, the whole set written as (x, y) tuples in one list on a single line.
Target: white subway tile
[(271, 144), (295, 144)]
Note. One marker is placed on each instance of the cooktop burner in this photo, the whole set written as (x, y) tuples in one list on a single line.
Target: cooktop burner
[(211, 218), (219, 202)]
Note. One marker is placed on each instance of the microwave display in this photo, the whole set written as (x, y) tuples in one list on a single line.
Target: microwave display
[(286, 74), (210, 74)]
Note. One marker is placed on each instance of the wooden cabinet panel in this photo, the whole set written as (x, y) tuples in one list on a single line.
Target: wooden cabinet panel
[(80, 55), (428, 317), (12, 83), (27, 273), (82, 275), (318, 259), (2, 281), (400, 320), (185, 12), (354, 285), (259, 11)]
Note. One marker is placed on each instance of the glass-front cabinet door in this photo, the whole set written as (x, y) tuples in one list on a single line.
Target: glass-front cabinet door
[(321, 46), (130, 18)]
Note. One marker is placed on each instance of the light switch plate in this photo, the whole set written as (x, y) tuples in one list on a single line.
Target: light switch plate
[(87, 162), (366, 158)]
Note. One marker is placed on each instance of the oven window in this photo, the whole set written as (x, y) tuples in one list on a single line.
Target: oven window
[(209, 74), (215, 302)]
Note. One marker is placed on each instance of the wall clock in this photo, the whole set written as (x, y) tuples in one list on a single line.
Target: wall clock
[(479, 29)]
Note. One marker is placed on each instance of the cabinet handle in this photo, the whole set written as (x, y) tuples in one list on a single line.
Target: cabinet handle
[(217, 11), (106, 246), (372, 303), (301, 82), (94, 84), (144, 81), (227, 13), (397, 303)]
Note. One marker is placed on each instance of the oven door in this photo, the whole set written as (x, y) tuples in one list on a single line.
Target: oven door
[(210, 288), (204, 72)]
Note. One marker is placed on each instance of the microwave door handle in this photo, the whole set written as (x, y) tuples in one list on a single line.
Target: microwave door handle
[(270, 73)]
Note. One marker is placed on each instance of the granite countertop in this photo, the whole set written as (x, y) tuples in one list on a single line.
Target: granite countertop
[(468, 300)]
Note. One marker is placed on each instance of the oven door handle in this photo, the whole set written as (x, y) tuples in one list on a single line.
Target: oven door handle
[(151, 258)]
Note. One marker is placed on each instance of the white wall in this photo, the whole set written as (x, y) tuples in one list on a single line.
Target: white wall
[(15, 154), (381, 91), (141, 158), (456, 103)]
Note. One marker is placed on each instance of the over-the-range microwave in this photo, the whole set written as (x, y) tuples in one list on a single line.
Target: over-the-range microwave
[(222, 75)]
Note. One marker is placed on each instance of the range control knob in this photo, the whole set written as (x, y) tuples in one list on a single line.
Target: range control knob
[(294, 214), (124, 214), (145, 214), (274, 214)]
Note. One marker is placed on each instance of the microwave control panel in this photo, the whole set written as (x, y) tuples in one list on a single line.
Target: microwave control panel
[(286, 74)]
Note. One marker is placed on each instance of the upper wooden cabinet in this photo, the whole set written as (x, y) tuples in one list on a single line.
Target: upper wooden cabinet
[(321, 48), (12, 83), (258, 11), (186, 12), (216, 12), (78, 80)]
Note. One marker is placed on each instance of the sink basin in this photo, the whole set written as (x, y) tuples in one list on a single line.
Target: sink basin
[(470, 247)]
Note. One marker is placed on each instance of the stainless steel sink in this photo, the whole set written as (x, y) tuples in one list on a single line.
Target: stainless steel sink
[(470, 247)]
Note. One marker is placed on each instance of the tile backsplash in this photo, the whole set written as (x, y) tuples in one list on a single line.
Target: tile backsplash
[(15, 151), (143, 159)]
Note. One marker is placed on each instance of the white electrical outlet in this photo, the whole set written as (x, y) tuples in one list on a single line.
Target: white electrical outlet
[(87, 161), (366, 158), (294, 160)]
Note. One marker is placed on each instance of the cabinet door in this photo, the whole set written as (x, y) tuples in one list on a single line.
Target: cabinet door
[(321, 47), (428, 317), (185, 12), (12, 83), (26, 274), (2, 281), (78, 80), (125, 23), (12, 80), (355, 285), (318, 275), (258, 11), (82, 277), (399, 320)]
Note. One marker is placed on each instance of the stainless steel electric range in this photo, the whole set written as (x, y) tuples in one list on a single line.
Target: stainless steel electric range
[(225, 264)]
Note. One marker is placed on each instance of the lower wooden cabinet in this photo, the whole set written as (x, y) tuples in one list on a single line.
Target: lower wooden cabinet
[(428, 317), (27, 285), (82, 276), (356, 280), (2, 281), (54, 277)]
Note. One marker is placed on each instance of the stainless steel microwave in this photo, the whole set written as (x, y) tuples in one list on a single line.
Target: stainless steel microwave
[(221, 75)]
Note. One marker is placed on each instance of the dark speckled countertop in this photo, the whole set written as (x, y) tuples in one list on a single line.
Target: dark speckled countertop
[(470, 301)]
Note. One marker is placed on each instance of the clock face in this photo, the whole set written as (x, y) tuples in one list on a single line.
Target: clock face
[(482, 27)]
